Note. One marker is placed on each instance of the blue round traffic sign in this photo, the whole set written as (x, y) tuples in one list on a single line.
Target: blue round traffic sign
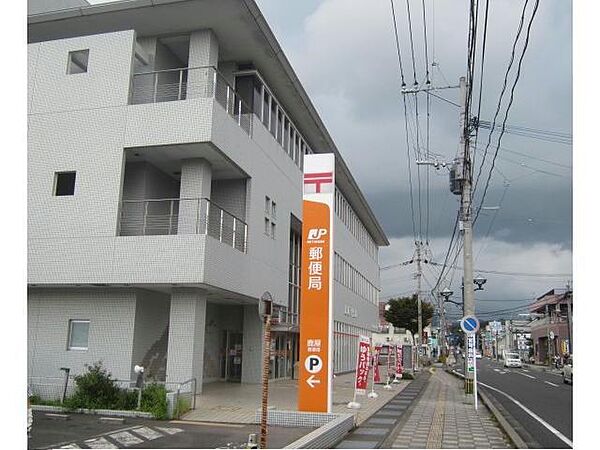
[(469, 324)]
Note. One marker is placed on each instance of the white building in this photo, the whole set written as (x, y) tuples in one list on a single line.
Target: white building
[(166, 144)]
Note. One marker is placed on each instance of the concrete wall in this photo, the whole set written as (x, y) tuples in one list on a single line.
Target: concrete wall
[(151, 321), (76, 122), (143, 180), (111, 331), (231, 196)]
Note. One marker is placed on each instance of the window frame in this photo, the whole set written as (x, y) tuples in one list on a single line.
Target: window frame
[(71, 62), (72, 322), (55, 184)]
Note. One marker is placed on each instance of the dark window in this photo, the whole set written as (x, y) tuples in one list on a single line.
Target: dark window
[(64, 183), (78, 61)]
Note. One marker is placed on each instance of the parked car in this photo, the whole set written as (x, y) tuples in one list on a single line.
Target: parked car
[(568, 371), (478, 354), (512, 360)]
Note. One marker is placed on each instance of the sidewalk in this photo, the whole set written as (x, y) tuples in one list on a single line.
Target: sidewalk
[(444, 417), (237, 403)]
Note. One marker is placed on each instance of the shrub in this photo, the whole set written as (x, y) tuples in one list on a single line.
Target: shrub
[(442, 359), (154, 400), (408, 376), (95, 389)]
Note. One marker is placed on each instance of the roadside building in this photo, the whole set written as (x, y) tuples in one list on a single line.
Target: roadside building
[(551, 327), (166, 146)]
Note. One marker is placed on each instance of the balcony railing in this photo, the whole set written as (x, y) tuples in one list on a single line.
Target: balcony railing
[(182, 216), (191, 82)]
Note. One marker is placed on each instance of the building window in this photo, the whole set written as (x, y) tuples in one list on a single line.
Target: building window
[(273, 210), (267, 226), (78, 62), (273, 227), (78, 334), (64, 183)]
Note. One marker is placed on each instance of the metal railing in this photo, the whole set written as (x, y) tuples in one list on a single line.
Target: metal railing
[(182, 216), (191, 82)]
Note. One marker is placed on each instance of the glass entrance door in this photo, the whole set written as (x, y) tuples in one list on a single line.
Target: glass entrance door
[(232, 345)]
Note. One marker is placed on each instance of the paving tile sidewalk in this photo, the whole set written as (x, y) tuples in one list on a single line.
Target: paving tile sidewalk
[(237, 403), (444, 417)]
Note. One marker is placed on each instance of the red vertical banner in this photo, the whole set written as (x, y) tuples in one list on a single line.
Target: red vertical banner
[(399, 368), (362, 366), (376, 374)]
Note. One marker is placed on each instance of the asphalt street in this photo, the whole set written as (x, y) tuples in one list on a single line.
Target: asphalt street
[(543, 393), (87, 431)]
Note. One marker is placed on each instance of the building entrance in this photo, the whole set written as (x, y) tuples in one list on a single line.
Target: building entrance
[(231, 362)]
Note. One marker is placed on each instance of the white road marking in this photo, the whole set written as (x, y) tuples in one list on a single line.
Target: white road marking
[(169, 430), (553, 430), (502, 372), (125, 438), (551, 384), (70, 446), (147, 433), (525, 370), (496, 370), (525, 375), (99, 443)]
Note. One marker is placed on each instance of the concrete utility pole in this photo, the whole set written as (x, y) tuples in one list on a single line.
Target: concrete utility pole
[(466, 217), (419, 307)]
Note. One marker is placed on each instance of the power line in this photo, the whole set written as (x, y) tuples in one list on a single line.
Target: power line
[(425, 37), (412, 207), (512, 94), (444, 99), (504, 86), (412, 46), (521, 274), (397, 43)]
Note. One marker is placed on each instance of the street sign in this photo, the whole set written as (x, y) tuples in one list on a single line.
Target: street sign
[(316, 320), (469, 324)]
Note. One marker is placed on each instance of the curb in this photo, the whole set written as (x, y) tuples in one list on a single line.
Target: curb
[(98, 412), (512, 434)]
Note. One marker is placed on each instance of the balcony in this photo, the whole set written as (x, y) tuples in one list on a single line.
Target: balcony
[(182, 216), (189, 83)]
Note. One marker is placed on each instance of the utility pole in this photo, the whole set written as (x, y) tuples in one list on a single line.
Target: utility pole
[(569, 296), (419, 306), (464, 158)]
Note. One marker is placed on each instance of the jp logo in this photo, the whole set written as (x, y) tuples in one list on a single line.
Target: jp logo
[(316, 233), (313, 363)]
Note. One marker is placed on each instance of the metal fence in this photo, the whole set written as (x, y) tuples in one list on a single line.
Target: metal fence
[(191, 82), (182, 216)]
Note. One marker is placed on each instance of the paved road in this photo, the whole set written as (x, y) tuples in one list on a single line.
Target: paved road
[(86, 431), (543, 394)]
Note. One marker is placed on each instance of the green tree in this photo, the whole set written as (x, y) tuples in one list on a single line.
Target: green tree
[(403, 313)]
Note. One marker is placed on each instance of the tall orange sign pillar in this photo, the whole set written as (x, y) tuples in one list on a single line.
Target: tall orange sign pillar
[(316, 309)]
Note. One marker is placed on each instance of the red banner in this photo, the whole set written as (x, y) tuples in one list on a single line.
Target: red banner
[(362, 365), (376, 375), (399, 368)]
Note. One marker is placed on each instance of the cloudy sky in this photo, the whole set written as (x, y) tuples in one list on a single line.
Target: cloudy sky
[(344, 53)]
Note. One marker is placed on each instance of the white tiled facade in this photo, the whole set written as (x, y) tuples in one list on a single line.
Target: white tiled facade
[(162, 246)]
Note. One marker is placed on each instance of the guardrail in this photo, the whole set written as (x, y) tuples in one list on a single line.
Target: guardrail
[(182, 216), (187, 83)]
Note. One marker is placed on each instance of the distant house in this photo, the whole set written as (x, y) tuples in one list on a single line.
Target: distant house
[(551, 329)]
